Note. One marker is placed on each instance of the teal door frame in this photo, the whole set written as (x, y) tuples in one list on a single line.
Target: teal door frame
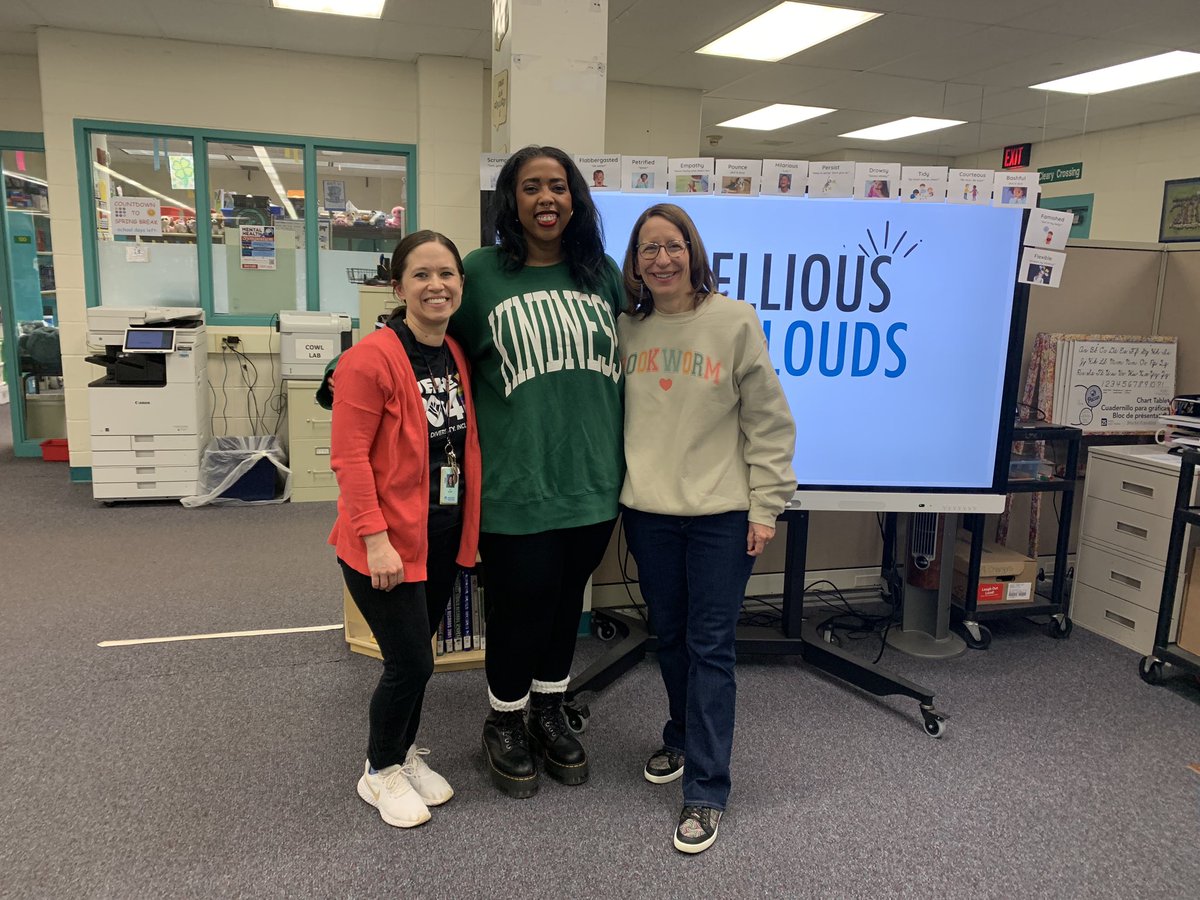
[(22, 445)]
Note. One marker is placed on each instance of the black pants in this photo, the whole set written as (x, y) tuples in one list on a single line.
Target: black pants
[(533, 587), (404, 621)]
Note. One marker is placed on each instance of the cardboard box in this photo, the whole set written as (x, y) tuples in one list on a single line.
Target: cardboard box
[(1189, 616), (1005, 576)]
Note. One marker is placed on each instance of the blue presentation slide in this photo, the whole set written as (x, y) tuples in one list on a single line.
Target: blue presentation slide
[(887, 322)]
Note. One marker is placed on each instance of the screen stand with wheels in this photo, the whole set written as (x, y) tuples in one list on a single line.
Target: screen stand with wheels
[(798, 637)]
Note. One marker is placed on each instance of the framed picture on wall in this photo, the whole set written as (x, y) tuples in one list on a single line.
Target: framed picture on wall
[(1180, 219)]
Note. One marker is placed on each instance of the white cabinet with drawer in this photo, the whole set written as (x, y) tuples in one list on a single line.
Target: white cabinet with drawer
[(1129, 498)]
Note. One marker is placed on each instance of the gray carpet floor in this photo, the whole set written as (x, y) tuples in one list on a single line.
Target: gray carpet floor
[(226, 768)]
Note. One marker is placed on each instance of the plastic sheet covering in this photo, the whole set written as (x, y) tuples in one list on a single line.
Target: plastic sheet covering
[(227, 460)]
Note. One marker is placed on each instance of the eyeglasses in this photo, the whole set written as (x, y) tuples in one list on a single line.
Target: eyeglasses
[(650, 250)]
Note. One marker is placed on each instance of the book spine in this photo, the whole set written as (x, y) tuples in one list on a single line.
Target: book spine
[(447, 634), (456, 630), (481, 605), (464, 582)]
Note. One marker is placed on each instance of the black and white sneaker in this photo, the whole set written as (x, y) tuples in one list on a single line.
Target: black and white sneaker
[(663, 765), (697, 828)]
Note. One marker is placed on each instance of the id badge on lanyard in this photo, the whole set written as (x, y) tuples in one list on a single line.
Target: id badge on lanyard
[(448, 482)]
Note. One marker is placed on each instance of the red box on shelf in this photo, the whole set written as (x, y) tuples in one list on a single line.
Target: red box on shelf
[(55, 450)]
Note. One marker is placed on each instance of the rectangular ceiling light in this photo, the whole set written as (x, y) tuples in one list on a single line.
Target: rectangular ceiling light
[(901, 128), (1130, 74), (777, 115), (366, 9), (786, 30)]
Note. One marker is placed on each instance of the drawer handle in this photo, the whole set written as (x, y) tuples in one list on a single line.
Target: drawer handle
[(1133, 529), (143, 438), (1134, 583), (1134, 488), (1120, 620), (143, 454), (319, 421), (320, 473), (144, 470)]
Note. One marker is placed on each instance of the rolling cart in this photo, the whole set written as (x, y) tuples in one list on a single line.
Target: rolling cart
[(971, 617), (1150, 668)]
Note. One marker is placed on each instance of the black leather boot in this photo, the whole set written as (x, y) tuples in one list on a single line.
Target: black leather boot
[(506, 746), (564, 757)]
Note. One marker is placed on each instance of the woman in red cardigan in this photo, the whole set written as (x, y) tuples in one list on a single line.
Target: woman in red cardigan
[(406, 455)]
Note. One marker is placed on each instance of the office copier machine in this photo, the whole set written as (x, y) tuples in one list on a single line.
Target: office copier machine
[(150, 412)]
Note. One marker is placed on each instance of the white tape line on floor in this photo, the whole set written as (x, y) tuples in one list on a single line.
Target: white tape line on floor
[(222, 634)]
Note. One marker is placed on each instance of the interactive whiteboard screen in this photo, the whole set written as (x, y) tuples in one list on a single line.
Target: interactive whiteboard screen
[(888, 324)]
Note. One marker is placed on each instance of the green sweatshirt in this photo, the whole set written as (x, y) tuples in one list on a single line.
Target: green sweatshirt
[(707, 427), (546, 374)]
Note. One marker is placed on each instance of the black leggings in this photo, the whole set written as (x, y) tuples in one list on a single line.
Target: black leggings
[(533, 587), (404, 621)]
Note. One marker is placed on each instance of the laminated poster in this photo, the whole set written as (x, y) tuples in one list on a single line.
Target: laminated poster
[(827, 180), (602, 173), (738, 177), (137, 216), (923, 184), (1042, 267), (877, 181), (690, 175), (971, 186), (784, 177), (258, 247), (1015, 189), (644, 173), (1048, 229)]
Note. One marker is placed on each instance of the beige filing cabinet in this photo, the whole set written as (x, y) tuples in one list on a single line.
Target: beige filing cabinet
[(373, 301), (308, 443), (1129, 499)]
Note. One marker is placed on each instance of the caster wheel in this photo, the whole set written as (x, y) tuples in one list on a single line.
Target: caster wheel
[(1151, 670), (577, 718), (935, 725), (978, 637), (1060, 627), (604, 630)]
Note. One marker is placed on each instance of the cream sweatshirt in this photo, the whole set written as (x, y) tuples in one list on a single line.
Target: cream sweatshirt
[(707, 426)]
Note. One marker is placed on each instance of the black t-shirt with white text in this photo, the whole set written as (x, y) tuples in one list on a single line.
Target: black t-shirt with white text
[(441, 393)]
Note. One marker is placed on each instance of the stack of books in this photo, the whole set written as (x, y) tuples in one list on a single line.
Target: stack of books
[(1181, 426), (463, 624)]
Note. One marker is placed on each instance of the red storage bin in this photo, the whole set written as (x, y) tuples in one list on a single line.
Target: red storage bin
[(55, 450)]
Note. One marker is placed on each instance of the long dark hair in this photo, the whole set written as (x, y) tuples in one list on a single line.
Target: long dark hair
[(583, 238), (406, 246), (700, 272)]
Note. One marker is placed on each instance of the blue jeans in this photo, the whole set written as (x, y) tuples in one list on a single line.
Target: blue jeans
[(693, 573)]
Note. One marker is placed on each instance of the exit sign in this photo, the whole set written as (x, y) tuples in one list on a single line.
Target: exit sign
[(1017, 156)]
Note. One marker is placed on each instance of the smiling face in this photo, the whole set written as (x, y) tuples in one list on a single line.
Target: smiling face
[(669, 279), (543, 203), (431, 287)]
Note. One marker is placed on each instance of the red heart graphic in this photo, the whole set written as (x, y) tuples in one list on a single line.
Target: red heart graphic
[(665, 383)]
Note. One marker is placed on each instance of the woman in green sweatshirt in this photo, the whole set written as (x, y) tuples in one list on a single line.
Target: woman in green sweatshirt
[(538, 320)]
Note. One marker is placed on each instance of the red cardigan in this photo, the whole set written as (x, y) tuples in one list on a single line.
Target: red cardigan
[(380, 454)]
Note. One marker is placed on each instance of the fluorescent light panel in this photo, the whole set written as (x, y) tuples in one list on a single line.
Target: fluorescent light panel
[(901, 128), (786, 30), (777, 115), (366, 9), (1126, 75)]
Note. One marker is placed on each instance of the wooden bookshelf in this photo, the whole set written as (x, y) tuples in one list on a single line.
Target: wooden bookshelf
[(359, 637)]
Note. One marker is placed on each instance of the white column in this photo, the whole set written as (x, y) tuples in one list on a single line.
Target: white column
[(449, 110), (549, 72)]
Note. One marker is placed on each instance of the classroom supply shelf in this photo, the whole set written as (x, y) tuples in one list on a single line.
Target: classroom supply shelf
[(1151, 667), (968, 613)]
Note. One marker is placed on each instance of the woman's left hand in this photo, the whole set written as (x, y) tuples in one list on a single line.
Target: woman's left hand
[(757, 538)]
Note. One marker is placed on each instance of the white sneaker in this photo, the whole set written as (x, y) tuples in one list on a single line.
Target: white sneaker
[(389, 792), (432, 787)]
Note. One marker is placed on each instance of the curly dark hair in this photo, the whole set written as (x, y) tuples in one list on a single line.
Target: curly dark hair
[(583, 238)]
